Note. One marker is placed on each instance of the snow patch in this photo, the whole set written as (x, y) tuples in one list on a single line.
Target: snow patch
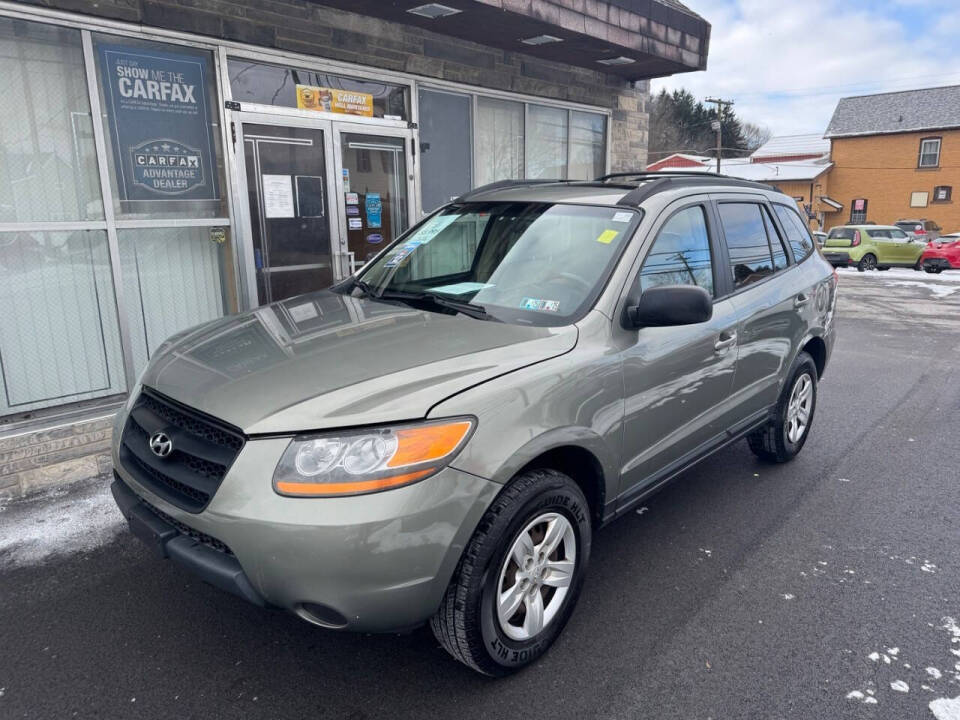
[(63, 522), (899, 686), (789, 596), (945, 709), (934, 673)]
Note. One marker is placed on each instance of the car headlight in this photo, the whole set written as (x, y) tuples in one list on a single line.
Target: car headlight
[(368, 460)]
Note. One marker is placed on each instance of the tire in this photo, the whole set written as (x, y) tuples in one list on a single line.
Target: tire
[(467, 624), (930, 269), (774, 442), (885, 267), (867, 262)]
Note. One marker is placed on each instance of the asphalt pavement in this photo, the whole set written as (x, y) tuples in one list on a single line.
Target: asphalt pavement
[(825, 588)]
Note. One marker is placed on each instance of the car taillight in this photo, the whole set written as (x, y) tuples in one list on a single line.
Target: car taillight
[(856, 239)]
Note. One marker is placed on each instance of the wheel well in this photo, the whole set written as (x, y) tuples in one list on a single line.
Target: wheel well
[(583, 467), (817, 349)]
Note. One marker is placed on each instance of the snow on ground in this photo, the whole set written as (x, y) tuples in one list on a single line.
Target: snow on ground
[(943, 285), (62, 522), (944, 709)]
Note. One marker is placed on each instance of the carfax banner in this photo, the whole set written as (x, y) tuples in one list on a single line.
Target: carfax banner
[(160, 122)]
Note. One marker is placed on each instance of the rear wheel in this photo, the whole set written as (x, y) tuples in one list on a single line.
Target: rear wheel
[(519, 577), (867, 262), (784, 436), (883, 267)]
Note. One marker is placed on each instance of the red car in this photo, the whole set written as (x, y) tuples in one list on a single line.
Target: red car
[(942, 254)]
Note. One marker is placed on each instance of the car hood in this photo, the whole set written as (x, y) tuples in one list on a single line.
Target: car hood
[(327, 360)]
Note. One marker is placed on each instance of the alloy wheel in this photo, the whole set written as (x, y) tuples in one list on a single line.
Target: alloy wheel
[(799, 407), (536, 575)]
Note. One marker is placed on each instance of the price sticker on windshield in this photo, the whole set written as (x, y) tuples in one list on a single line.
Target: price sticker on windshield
[(608, 236)]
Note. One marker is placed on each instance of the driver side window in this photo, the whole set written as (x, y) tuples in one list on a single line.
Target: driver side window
[(681, 253)]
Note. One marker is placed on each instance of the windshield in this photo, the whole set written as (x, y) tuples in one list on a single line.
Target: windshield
[(521, 262), (841, 234), (909, 226)]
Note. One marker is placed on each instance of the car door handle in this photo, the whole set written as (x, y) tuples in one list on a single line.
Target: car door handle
[(726, 339), (800, 300)]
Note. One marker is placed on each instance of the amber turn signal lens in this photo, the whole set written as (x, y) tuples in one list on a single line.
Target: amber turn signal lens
[(431, 442)]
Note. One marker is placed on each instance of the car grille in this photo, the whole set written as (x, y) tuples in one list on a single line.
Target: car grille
[(201, 537), (203, 450)]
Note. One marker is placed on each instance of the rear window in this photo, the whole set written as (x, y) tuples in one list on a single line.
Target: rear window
[(841, 234), (908, 226), (797, 233)]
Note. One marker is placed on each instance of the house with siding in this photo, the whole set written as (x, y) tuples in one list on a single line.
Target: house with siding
[(896, 156)]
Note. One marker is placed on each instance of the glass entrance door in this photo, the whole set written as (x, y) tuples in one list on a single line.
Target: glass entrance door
[(375, 193), (288, 194)]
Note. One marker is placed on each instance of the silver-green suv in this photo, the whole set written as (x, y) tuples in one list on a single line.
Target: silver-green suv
[(437, 438)]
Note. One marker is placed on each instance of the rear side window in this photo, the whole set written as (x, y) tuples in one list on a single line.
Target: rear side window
[(880, 234), (747, 242), (780, 261), (797, 233), (681, 253)]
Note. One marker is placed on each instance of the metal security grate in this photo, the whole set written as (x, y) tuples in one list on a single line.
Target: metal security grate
[(203, 450)]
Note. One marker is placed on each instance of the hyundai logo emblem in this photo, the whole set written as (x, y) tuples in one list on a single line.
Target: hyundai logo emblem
[(160, 444)]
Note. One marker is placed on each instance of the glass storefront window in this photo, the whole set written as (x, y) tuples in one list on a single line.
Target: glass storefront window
[(499, 140), (48, 163), (546, 143), (59, 338), (173, 278), (445, 147), (264, 84), (588, 145), (161, 121)]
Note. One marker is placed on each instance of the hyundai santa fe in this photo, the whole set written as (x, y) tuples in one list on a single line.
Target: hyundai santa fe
[(436, 438)]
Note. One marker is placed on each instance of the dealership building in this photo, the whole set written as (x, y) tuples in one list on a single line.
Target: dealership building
[(167, 162)]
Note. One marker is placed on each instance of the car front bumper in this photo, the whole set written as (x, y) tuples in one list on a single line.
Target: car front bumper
[(371, 563)]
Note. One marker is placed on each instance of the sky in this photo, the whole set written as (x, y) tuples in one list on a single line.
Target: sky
[(786, 63)]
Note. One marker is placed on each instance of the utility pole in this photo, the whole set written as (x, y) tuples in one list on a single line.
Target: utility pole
[(718, 124)]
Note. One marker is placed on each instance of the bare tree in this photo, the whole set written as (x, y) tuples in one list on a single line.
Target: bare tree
[(755, 135)]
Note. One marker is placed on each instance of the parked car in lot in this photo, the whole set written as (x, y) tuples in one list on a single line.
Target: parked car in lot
[(436, 438), (872, 247), (942, 254), (819, 237), (922, 230)]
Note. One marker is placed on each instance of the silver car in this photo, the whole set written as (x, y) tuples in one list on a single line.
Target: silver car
[(437, 438)]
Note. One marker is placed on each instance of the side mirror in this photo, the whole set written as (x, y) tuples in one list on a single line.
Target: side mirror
[(668, 305)]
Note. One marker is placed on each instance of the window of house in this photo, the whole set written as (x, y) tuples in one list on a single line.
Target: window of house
[(500, 136), (858, 211), (942, 193), (588, 145), (747, 242), (681, 253), (797, 232), (929, 153)]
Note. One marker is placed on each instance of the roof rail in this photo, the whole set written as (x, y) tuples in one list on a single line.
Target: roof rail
[(502, 184), (646, 174), (659, 181)]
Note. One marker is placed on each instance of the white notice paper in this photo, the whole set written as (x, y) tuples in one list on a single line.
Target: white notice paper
[(277, 196)]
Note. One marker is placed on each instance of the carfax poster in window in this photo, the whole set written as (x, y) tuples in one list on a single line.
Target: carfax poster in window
[(160, 123)]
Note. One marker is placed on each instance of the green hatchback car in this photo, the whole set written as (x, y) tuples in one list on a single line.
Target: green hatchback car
[(872, 247)]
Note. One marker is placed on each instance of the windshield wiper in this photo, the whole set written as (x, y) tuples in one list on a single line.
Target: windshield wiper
[(410, 298)]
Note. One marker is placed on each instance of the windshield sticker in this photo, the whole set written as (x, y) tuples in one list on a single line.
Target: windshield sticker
[(462, 288), (607, 236), (401, 254), (540, 305), (437, 224), (622, 217)]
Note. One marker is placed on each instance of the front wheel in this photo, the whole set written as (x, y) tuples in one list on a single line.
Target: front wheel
[(784, 436), (519, 577), (867, 262)]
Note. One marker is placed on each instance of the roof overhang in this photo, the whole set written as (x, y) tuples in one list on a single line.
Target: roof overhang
[(645, 38), (898, 131), (830, 202)]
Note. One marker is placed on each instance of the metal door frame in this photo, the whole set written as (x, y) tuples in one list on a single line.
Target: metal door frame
[(242, 196), (409, 138)]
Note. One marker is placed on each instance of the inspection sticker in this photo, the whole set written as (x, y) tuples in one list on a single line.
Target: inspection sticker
[(607, 236), (540, 305), (623, 217)]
